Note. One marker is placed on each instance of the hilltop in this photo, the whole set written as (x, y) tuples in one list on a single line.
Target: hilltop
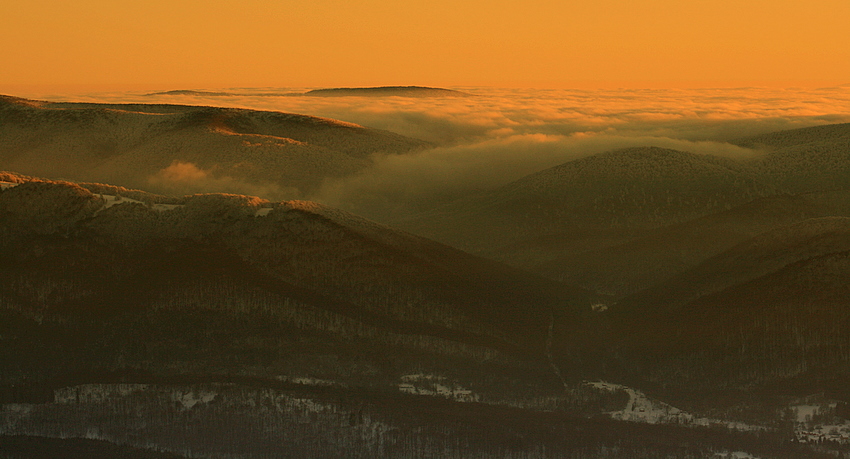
[(387, 91), (590, 203), (802, 160), (377, 91), (185, 149)]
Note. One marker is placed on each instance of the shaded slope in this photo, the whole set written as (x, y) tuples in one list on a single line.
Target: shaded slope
[(648, 260), (226, 284), (231, 150), (767, 319), (783, 334), (589, 203), (808, 159), (29, 447), (754, 258)]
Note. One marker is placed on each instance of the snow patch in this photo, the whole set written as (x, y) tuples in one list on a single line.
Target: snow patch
[(86, 393), (838, 433), (818, 424), (734, 455), (641, 408), (190, 398), (308, 405), (432, 385), (4, 185), (308, 381), (111, 200), (805, 412)]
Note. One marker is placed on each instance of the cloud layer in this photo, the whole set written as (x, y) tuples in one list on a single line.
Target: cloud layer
[(183, 178), (503, 134)]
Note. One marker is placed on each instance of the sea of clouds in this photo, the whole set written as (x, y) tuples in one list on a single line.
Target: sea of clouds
[(499, 135)]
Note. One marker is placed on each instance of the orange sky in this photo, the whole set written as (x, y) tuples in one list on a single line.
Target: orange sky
[(530, 43)]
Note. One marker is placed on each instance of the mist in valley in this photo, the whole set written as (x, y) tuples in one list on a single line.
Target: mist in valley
[(488, 139)]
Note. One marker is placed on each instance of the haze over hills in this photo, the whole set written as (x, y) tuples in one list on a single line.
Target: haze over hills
[(184, 149), (590, 203), (826, 134), (620, 221), (808, 159)]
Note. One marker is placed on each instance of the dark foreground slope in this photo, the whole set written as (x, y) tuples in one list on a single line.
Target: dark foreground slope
[(225, 325), (179, 149), (71, 255)]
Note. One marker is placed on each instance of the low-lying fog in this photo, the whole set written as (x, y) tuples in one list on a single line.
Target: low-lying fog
[(500, 135)]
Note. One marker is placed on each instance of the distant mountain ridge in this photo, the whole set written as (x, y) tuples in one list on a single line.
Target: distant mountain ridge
[(383, 91), (180, 149), (375, 91), (796, 137)]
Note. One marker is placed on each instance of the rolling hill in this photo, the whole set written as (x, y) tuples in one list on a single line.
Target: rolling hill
[(185, 149), (178, 318), (756, 257), (589, 203), (760, 342), (243, 270), (764, 320), (223, 324), (809, 159), (663, 253), (625, 220)]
